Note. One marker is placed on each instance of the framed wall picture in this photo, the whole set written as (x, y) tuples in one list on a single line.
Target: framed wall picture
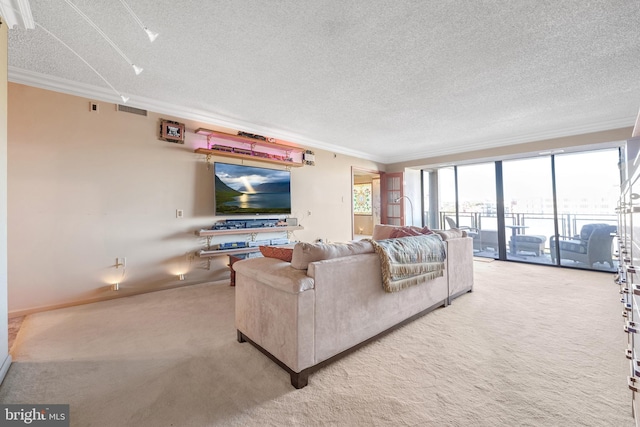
[(172, 131), (362, 201)]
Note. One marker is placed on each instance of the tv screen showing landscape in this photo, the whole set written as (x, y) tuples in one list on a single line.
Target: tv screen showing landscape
[(249, 190)]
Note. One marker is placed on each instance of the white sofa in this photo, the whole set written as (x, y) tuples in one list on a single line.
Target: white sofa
[(303, 319)]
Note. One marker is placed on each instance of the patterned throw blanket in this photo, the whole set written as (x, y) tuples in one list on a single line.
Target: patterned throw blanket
[(408, 261)]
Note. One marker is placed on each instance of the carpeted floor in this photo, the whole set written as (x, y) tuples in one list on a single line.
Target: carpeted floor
[(531, 346), (14, 327)]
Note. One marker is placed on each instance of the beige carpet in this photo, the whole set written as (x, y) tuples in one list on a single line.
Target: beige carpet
[(531, 346), (14, 327)]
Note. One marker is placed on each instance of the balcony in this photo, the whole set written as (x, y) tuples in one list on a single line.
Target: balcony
[(587, 241)]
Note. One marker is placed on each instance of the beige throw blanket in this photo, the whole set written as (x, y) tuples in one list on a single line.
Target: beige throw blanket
[(408, 261)]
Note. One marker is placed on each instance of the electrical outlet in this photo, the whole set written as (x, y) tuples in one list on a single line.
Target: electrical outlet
[(93, 107), (179, 213)]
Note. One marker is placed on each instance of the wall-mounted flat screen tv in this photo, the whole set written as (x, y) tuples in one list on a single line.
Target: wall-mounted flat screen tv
[(250, 190)]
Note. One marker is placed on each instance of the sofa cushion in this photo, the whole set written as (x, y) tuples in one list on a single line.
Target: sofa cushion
[(577, 246), (530, 238), (283, 254), (454, 233), (304, 253)]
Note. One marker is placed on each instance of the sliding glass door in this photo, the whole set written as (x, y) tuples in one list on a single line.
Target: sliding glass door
[(556, 209), (477, 207), (446, 196), (528, 208), (587, 185)]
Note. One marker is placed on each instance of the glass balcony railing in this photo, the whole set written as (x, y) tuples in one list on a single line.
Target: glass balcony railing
[(584, 240)]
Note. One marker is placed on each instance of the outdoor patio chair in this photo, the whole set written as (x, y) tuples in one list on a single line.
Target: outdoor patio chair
[(452, 224), (592, 245)]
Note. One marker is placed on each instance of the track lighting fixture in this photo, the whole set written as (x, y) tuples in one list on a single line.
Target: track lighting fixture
[(136, 69), (152, 36), (124, 98)]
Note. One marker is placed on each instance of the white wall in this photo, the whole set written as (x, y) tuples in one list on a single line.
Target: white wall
[(85, 188), (5, 359)]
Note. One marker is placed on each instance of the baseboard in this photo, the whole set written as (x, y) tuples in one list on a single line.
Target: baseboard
[(113, 295), (5, 367)]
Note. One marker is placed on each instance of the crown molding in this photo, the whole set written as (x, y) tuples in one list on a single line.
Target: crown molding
[(515, 140), (57, 84), (17, 13)]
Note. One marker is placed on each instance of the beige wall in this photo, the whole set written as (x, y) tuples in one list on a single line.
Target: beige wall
[(85, 188), (5, 359)]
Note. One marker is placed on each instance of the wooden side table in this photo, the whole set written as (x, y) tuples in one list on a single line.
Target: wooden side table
[(233, 258)]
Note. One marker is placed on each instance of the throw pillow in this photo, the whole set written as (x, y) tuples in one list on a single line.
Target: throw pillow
[(283, 254), (409, 231), (404, 232), (382, 231), (427, 230)]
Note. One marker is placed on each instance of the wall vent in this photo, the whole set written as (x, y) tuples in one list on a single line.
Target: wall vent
[(132, 110)]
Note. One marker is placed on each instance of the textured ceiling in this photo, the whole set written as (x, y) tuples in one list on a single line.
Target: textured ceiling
[(386, 80)]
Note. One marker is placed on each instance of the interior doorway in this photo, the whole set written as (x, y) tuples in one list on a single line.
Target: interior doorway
[(365, 202)]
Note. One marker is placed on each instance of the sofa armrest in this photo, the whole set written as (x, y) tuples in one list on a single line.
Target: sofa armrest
[(460, 265), (275, 273), (275, 309)]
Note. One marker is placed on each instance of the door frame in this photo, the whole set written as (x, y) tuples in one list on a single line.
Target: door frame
[(398, 198), (355, 170)]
